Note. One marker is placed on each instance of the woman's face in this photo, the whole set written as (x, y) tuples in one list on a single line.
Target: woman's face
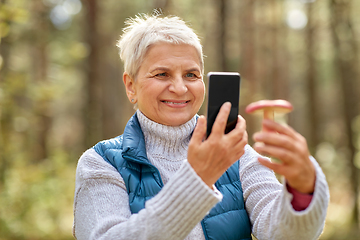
[(169, 88)]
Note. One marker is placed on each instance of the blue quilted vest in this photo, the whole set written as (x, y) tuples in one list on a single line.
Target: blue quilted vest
[(228, 219)]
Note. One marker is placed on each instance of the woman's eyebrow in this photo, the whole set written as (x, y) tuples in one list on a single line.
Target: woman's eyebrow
[(166, 69), (159, 69), (193, 70)]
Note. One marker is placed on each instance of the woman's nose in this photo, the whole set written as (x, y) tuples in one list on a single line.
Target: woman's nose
[(178, 86)]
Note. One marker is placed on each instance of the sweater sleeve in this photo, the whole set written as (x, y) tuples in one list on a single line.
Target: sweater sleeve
[(101, 207), (269, 203)]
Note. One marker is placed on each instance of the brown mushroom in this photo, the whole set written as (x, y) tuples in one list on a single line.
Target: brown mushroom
[(269, 107)]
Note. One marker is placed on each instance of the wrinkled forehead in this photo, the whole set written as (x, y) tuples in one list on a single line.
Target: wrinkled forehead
[(153, 44)]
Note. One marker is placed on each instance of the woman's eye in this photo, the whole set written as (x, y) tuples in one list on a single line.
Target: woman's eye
[(190, 75), (161, 74)]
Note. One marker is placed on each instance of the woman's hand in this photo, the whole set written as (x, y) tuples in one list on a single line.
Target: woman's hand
[(212, 157), (285, 144)]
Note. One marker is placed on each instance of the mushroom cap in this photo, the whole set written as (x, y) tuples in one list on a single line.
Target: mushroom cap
[(278, 105)]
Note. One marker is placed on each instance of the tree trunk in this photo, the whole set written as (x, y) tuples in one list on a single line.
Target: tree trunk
[(247, 35), (163, 5), (311, 80), (41, 106), (112, 106), (222, 35), (5, 120), (346, 59), (93, 104), (276, 85), (248, 58)]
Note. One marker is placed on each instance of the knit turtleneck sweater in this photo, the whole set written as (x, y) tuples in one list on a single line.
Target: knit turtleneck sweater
[(166, 146), (101, 203)]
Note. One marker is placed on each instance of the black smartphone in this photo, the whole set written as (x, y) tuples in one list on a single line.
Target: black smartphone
[(223, 87)]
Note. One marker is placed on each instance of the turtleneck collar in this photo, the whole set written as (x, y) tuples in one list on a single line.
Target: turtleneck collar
[(166, 140)]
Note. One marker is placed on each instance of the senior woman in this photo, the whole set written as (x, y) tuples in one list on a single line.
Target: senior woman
[(161, 180)]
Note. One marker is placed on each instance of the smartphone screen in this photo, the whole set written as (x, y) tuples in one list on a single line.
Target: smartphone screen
[(223, 87)]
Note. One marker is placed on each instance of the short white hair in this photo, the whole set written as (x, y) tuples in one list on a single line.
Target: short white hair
[(145, 30)]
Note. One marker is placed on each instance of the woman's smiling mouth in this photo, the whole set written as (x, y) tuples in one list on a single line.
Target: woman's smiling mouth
[(180, 103), (176, 103)]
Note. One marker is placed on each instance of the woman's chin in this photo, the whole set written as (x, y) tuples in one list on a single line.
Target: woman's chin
[(176, 121)]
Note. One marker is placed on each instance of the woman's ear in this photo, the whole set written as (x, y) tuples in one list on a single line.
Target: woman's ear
[(130, 88)]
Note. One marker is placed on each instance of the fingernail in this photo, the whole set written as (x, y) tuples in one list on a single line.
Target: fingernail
[(258, 145), (257, 136)]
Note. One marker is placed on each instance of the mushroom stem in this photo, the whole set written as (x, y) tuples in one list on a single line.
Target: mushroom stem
[(268, 114)]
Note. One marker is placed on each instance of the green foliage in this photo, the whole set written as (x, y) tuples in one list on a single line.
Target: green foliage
[(36, 200), (11, 13), (36, 195)]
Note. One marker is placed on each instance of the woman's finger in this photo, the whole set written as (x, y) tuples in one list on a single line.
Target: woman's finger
[(275, 139), (199, 131), (239, 129), (276, 167), (276, 127), (221, 120), (240, 146), (284, 155)]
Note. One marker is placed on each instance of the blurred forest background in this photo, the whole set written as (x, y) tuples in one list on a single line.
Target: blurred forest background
[(61, 92)]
